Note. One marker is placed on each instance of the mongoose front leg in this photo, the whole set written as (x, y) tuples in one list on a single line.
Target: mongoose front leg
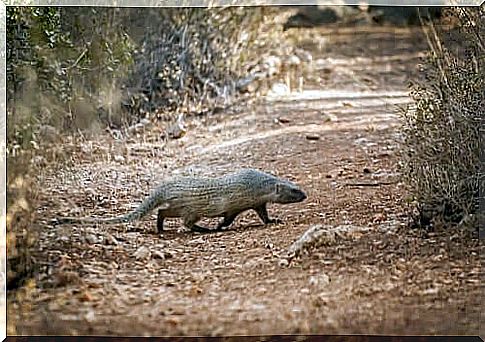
[(160, 218), (263, 215)]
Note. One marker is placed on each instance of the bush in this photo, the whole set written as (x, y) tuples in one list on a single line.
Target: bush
[(56, 66), (76, 67), (62, 64), (442, 128), (189, 60)]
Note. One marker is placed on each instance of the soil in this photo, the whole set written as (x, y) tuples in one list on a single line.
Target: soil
[(338, 139)]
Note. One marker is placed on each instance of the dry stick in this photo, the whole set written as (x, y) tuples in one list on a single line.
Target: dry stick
[(369, 184), (78, 59), (318, 235)]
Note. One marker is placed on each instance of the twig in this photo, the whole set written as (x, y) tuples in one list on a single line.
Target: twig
[(369, 184), (318, 235), (78, 59)]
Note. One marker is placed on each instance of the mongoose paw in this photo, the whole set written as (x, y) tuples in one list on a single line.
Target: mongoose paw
[(199, 229)]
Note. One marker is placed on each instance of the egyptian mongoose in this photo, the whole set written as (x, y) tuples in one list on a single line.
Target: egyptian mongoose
[(194, 198)]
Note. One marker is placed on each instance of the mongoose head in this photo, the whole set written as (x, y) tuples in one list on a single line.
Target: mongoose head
[(287, 192)]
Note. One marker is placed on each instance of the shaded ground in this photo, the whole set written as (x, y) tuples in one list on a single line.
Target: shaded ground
[(103, 280)]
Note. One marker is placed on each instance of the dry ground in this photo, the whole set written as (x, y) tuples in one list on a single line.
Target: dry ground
[(123, 280)]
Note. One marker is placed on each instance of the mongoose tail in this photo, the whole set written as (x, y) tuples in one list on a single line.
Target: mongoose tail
[(142, 210)]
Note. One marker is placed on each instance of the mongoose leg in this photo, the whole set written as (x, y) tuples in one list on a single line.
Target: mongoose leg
[(190, 223), (263, 215), (201, 229), (160, 218), (228, 220)]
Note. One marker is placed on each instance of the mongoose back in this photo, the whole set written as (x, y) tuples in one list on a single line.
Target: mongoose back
[(193, 198)]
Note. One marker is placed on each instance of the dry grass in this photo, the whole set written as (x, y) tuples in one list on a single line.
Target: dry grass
[(442, 128)]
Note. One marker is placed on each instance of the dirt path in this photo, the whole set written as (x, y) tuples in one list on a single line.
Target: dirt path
[(385, 281)]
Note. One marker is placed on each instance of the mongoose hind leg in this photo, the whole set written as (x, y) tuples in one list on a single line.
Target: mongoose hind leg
[(263, 215), (201, 229), (190, 222), (228, 220)]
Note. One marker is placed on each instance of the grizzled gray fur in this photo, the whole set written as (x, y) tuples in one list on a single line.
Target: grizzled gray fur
[(194, 198)]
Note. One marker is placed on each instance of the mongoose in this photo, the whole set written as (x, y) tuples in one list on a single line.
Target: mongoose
[(194, 198)]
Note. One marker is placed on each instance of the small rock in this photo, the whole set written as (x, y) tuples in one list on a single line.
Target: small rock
[(217, 331), (142, 253), (329, 118), (248, 84), (361, 141), (284, 262), (319, 280), (92, 239), (64, 238), (273, 61), (197, 241), (272, 71), (294, 60), (163, 254), (119, 159), (379, 217), (258, 307), (279, 89), (177, 130), (85, 149), (86, 297), (431, 291), (90, 316), (305, 56), (283, 120), (272, 65), (253, 87), (159, 255), (145, 121), (312, 137), (136, 128), (111, 240)]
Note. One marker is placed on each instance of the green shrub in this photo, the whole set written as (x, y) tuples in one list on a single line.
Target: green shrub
[(62, 63), (50, 72)]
